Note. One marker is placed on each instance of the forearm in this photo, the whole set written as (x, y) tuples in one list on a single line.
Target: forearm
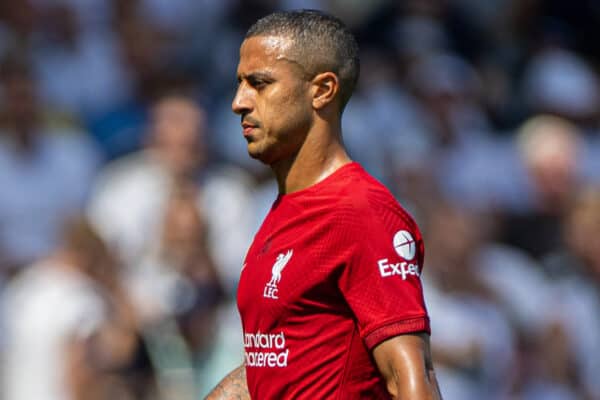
[(433, 385), (232, 387), (423, 388), (406, 365), (418, 387)]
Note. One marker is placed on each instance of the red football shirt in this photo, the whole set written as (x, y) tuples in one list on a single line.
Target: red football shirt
[(333, 271)]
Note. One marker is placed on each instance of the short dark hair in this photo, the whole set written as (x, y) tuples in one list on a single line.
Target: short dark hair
[(322, 43)]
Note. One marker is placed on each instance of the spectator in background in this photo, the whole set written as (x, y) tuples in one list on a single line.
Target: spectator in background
[(177, 292), (549, 149), (45, 171), (179, 267), (448, 87), (579, 254), (474, 343), (428, 64), (70, 331), (131, 195), (143, 49), (558, 81), (394, 119), (131, 192), (18, 26), (80, 70), (574, 268)]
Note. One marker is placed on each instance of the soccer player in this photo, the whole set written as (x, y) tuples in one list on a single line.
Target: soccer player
[(330, 294)]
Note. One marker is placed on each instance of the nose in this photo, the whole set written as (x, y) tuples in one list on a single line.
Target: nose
[(242, 102)]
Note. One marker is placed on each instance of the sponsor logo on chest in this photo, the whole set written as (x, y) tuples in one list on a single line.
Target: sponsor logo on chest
[(265, 349), (271, 290)]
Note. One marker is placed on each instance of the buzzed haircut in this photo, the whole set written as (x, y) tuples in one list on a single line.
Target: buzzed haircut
[(321, 43)]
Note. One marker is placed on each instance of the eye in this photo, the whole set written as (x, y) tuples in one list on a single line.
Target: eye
[(257, 83)]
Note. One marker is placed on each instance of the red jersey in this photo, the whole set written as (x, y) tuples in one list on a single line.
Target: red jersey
[(333, 271)]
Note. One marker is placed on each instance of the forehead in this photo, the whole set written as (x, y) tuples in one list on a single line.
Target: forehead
[(265, 53)]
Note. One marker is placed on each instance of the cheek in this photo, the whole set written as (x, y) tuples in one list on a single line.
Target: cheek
[(288, 94), (293, 112)]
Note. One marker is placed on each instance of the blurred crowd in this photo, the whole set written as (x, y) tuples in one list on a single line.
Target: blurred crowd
[(127, 199)]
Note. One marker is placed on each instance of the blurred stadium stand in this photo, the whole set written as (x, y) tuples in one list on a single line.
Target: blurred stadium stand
[(127, 199)]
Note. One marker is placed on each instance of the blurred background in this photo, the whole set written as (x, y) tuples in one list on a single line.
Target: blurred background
[(127, 199)]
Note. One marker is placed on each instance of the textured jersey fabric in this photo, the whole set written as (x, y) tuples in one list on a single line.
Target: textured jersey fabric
[(333, 271)]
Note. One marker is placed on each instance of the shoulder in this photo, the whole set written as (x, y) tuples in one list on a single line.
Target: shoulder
[(368, 201)]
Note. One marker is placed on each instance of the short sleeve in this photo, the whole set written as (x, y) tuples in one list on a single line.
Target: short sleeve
[(381, 279)]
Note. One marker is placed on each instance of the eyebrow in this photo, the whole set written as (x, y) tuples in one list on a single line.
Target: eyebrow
[(256, 75)]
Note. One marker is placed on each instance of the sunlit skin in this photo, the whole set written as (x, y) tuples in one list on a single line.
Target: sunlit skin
[(292, 122), (289, 119), (406, 365)]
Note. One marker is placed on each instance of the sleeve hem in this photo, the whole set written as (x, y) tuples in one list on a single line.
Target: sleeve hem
[(413, 325)]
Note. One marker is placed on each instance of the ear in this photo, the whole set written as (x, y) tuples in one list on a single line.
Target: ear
[(325, 87)]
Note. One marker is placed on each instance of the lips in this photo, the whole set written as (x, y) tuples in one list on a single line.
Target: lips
[(248, 127)]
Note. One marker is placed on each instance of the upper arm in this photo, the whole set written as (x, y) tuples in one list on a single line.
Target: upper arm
[(377, 277), (406, 365)]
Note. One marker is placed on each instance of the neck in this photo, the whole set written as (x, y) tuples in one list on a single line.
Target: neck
[(321, 154)]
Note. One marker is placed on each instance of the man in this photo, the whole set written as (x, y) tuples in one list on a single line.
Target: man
[(330, 296), (68, 326), (131, 194)]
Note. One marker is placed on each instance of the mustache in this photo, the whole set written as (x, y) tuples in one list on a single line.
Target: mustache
[(250, 120)]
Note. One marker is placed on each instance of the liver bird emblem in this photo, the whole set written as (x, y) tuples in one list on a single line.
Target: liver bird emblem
[(282, 260)]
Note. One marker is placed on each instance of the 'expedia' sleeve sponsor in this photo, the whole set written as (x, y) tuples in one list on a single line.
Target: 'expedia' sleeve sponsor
[(381, 280)]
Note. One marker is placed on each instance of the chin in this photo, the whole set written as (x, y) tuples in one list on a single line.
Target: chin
[(256, 154), (263, 157)]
